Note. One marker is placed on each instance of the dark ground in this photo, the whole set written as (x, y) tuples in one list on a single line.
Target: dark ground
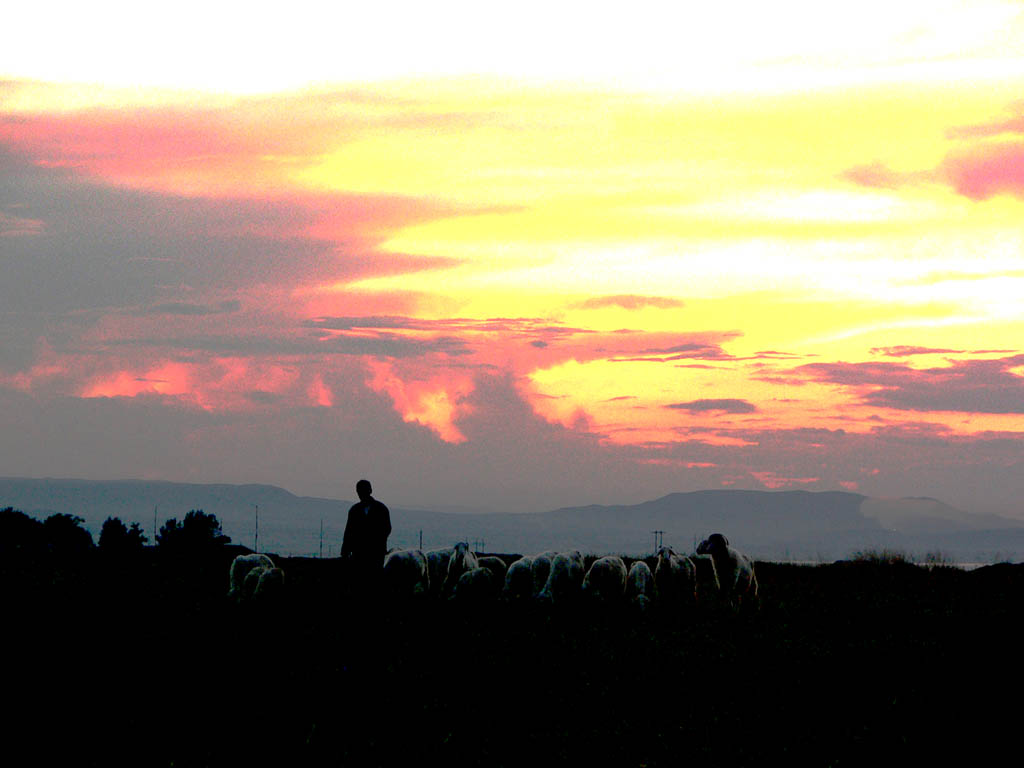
[(144, 662)]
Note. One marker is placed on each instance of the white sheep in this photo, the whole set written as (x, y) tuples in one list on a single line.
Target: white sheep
[(496, 566), (541, 568), (269, 585), (708, 588), (405, 573), (676, 577), (437, 567), (462, 560), (640, 587), (735, 570), (565, 579), (606, 579), (519, 580), (476, 585), (240, 568)]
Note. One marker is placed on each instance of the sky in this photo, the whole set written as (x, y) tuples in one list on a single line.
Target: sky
[(515, 258)]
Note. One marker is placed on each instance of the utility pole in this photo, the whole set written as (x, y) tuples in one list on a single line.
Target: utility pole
[(154, 523), (659, 539), (256, 537), (321, 538), (421, 539)]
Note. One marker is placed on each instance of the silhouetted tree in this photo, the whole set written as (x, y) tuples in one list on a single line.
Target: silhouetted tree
[(117, 539), (196, 533), (113, 533), (65, 535), (170, 534), (21, 536), (136, 538)]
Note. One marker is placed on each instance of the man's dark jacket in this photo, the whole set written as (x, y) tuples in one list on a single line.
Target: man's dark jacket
[(367, 531)]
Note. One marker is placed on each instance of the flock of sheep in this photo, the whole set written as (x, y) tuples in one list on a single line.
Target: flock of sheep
[(716, 571)]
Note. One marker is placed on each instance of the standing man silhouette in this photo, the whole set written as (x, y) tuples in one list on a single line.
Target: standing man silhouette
[(366, 539)]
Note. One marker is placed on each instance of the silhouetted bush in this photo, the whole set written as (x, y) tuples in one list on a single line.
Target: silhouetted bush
[(884, 557), (198, 533)]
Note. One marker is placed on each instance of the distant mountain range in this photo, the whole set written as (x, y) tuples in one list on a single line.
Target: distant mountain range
[(798, 525)]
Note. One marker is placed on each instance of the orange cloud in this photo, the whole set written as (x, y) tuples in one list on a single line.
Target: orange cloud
[(774, 481), (320, 393), (166, 379), (436, 403), (217, 383)]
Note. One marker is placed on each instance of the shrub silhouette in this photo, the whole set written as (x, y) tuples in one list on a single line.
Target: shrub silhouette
[(197, 533)]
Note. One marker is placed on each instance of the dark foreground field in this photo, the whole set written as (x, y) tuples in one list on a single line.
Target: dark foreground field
[(145, 663)]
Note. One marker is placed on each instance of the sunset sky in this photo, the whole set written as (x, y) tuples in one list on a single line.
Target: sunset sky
[(516, 258)]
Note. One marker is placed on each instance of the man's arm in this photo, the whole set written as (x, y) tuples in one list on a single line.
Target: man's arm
[(346, 540)]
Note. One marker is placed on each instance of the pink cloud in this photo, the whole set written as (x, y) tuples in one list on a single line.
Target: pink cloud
[(141, 146), (17, 226), (212, 149), (1013, 124), (978, 170), (726, 405), (964, 386), (987, 170), (630, 302), (876, 175), (908, 351)]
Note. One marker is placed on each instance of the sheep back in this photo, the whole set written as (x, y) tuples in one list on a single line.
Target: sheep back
[(519, 580), (606, 579), (405, 573)]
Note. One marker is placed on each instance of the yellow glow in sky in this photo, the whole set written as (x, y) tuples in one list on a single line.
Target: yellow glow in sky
[(661, 223)]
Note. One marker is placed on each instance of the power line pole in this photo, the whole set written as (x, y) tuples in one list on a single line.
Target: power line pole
[(659, 539), (321, 538)]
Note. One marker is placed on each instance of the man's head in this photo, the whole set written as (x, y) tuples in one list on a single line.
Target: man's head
[(363, 489)]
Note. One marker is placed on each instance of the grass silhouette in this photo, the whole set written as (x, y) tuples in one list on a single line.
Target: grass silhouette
[(843, 663)]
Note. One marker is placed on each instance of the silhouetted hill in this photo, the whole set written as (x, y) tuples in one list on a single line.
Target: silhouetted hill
[(799, 525)]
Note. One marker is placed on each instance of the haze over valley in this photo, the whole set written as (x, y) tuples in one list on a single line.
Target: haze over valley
[(778, 525)]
